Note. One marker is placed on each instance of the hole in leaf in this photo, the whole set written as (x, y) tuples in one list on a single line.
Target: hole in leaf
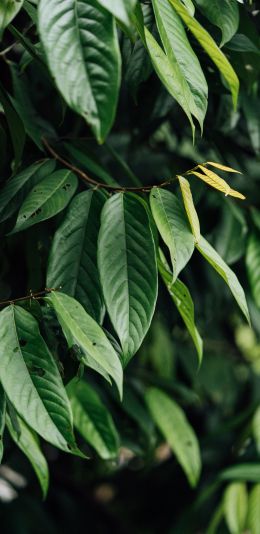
[(16, 349), (36, 212), (37, 371), (22, 342), (94, 343)]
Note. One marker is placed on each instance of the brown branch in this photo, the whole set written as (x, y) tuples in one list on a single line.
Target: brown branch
[(32, 296), (89, 180)]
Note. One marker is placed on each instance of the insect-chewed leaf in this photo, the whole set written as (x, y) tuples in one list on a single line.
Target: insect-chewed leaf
[(28, 442), (80, 329), (184, 303), (81, 46), (235, 506), (253, 265), (31, 380), (15, 190), (189, 207), (2, 420), (128, 269), (172, 422), (222, 167), (173, 226), (212, 179), (46, 199), (210, 47), (93, 420), (215, 260), (73, 257)]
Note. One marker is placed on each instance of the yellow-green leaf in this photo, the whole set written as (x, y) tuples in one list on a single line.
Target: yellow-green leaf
[(222, 167), (212, 179), (189, 207), (253, 518), (235, 507), (210, 47)]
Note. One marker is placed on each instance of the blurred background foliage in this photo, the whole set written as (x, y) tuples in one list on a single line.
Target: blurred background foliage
[(145, 490)]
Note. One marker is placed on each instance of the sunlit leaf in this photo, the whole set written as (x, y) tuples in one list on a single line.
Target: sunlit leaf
[(189, 207), (235, 507), (212, 179), (253, 517)]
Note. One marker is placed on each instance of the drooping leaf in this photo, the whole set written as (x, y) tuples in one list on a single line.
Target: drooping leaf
[(17, 188), (221, 13), (121, 9), (253, 517), (80, 42), (46, 199), (253, 265), (184, 303), (8, 10), (93, 420), (189, 207), (179, 50), (81, 330), (15, 126), (215, 260), (212, 179), (173, 226), (72, 262), (128, 270), (28, 442), (172, 422), (38, 394), (2, 420), (210, 47), (235, 507)]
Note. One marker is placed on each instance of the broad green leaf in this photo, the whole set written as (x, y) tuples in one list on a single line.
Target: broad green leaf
[(128, 270), (189, 207), (222, 13), (17, 188), (215, 260), (184, 303), (256, 428), (253, 517), (15, 126), (31, 380), (46, 199), (173, 424), (121, 9), (81, 45), (235, 507), (212, 179), (231, 233), (180, 52), (173, 226), (2, 420), (210, 47), (253, 265), (93, 420), (28, 442), (242, 472), (8, 10), (80, 329), (72, 262)]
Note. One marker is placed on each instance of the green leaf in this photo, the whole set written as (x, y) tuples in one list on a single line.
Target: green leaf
[(210, 47), (15, 126), (235, 507), (256, 428), (121, 9), (184, 304), (2, 420), (8, 10), (250, 107), (90, 164), (28, 442), (46, 199), (72, 263), (80, 329), (17, 188), (253, 265), (172, 422), (179, 51), (215, 260), (81, 45), (241, 472), (38, 395), (128, 270), (173, 226), (189, 207), (93, 420), (222, 13), (253, 518), (231, 233)]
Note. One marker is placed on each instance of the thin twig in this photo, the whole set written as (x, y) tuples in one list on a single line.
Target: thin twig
[(32, 296), (91, 181)]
